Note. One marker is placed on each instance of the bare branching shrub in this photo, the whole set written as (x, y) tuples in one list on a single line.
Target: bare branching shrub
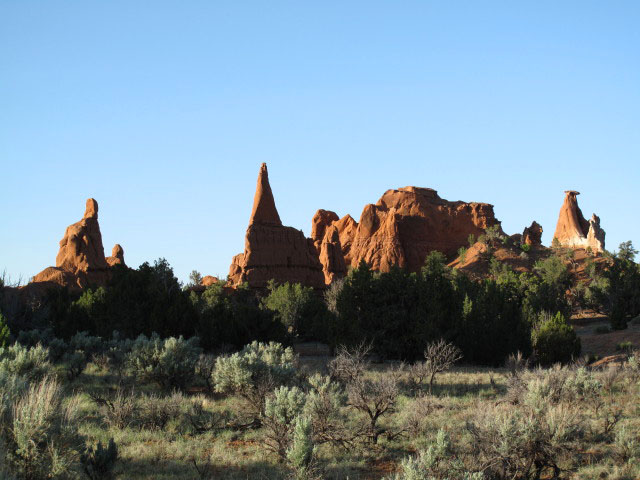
[(416, 414), (203, 420), (156, 410), (350, 364), (374, 398), (254, 372), (119, 409), (332, 293), (437, 462), (439, 357), (280, 411)]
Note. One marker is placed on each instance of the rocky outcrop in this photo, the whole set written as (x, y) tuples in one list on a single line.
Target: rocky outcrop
[(532, 235), (405, 225), (80, 261), (274, 251), (117, 256), (573, 230)]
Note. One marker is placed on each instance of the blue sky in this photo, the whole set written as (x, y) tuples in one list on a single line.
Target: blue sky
[(163, 112)]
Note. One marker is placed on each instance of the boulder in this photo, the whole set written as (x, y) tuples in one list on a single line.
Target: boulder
[(274, 251), (532, 235), (573, 230)]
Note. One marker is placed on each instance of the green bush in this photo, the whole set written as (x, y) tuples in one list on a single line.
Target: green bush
[(4, 331), (301, 453), (170, 362), (554, 340)]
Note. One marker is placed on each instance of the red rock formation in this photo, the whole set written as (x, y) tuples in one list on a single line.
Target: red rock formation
[(273, 251), (80, 261), (572, 230), (209, 280), (117, 256), (532, 235), (406, 224)]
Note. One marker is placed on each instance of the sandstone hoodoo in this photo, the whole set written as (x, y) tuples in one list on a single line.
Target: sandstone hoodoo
[(405, 225), (532, 235), (573, 230), (274, 251), (117, 256), (80, 261)]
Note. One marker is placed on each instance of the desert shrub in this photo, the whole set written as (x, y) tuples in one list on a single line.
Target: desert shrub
[(516, 364), (42, 441), (30, 362), (114, 356), (30, 338), (156, 410), (4, 331), (98, 462), (170, 362), (523, 442), (280, 411), (302, 452), (119, 410), (323, 406), (554, 340), (439, 357), (85, 343), (437, 462), (75, 363), (416, 414), (627, 443), (204, 368), (203, 420), (254, 372)]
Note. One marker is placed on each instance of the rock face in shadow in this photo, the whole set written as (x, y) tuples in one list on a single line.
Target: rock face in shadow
[(573, 230), (405, 225), (274, 251), (80, 261)]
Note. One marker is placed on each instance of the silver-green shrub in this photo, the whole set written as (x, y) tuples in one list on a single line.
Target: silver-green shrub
[(280, 411), (168, 362), (30, 362), (301, 453), (41, 440), (254, 372), (437, 462)]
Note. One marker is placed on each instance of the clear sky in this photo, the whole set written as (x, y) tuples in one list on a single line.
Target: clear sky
[(164, 110)]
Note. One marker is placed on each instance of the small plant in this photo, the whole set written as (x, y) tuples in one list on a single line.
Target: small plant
[(203, 420), (156, 411), (626, 347), (471, 240), (525, 247), (4, 331), (98, 462), (462, 254)]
